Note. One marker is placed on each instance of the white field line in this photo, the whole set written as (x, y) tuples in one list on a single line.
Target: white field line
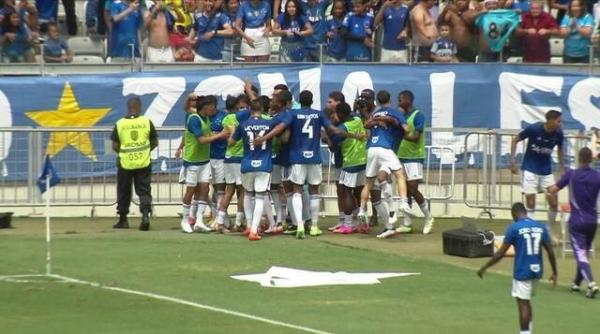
[(193, 304), (20, 278)]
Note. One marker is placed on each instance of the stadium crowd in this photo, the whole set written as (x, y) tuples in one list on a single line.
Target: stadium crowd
[(396, 31)]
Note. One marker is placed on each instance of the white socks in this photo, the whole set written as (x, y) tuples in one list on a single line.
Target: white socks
[(201, 207), (194, 208), (348, 220), (239, 218), (425, 210), (530, 212), (297, 210), (315, 209), (268, 210), (407, 220), (258, 210), (386, 191), (383, 213), (277, 205), (186, 211), (290, 207), (249, 207)]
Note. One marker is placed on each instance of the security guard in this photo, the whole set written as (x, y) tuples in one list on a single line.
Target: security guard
[(133, 137)]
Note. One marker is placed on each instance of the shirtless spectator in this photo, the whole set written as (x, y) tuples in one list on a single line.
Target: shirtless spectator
[(535, 31), (424, 31), (460, 18), (159, 22)]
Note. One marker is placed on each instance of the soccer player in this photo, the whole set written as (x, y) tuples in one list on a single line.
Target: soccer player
[(537, 162), (412, 156), (196, 157), (354, 159), (386, 126), (584, 187), (217, 168), (527, 236), (256, 164)]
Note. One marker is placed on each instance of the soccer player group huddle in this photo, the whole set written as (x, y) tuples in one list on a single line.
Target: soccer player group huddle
[(269, 149)]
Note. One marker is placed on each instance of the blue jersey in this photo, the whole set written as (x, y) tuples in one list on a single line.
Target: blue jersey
[(254, 17), (390, 137), (55, 47), (212, 48), (395, 19), (47, 10), (540, 144), (305, 139), (497, 26), (316, 16), (256, 158), (527, 236), (444, 47), (294, 25), (282, 157), (218, 147), (359, 27), (577, 45), (336, 45), (125, 32)]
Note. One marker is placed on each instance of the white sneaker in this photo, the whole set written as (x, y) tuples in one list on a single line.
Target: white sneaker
[(404, 229), (200, 227), (186, 227), (428, 225), (404, 207), (386, 233)]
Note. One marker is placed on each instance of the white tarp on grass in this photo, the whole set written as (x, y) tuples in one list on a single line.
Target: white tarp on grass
[(281, 277)]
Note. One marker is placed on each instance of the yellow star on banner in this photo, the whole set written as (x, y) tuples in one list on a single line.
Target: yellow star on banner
[(69, 114)]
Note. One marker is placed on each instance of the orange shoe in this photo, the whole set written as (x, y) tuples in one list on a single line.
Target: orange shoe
[(247, 231), (253, 237)]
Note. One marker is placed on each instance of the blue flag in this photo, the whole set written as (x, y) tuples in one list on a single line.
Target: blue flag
[(48, 171)]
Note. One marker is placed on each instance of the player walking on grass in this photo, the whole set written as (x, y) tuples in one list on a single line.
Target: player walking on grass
[(412, 156), (584, 187), (527, 236), (537, 162), (196, 157), (256, 164)]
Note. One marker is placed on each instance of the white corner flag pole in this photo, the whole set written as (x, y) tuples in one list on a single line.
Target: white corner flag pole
[(48, 254)]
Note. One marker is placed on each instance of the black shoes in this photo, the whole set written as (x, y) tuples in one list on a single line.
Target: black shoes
[(145, 224), (122, 223)]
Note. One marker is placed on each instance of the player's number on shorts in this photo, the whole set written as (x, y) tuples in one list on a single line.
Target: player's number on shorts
[(533, 243), (251, 137), (308, 128)]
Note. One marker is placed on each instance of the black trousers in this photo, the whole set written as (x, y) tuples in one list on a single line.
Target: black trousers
[(140, 178), (70, 16)]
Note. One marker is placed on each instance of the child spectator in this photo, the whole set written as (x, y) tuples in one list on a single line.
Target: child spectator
[(293, 28), (314, 11), (55, 49), (357, 29), (336, 45), (444, 49), (15, 40)]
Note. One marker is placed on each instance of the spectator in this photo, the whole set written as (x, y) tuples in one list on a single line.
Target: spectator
[(126, 16), (27, 13), (562, 6), (230, 8), (357, 29), (424, 31), (48, 12), (495, 28), (336, 45), (461, 20), (521, 6), (576, 28), (394, 15), (293, 29), (15, 40), (535, 31), (55, 49), (314, 10), (443, 49), (211, 27), (159, 22), (95, 21), (253, 23)]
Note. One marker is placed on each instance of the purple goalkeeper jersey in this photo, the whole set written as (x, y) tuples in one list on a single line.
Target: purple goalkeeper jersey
[(584, 186)]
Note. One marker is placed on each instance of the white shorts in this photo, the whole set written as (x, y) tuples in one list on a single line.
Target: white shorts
[(256, 181), (311, 174), (262, 46), (194, 174), (523, 289), (217, 170), (335, 174), (277, 174), (285, 173), (233, 173), (379, 158), (159, 55), (533, 183), (394, 56), (413, 170), (352, 180)]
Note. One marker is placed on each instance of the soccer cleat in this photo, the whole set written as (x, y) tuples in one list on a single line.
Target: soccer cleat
[(428, 225), (300, 234), (290, 229), (592, 292), (315, 231), (247, 231), (404, 207), (404, 229), (575, 288), (186, 227), (200, 227), (145, 224), (122, 223), (333, 228), (386, 233), (237, 228), (220, 228), (254, 237), (344, 229), (274, 230)]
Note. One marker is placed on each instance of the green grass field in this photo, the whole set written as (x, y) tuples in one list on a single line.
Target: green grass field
[(447, 297)]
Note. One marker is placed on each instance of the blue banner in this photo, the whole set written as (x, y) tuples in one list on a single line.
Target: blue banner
[(451, 96)]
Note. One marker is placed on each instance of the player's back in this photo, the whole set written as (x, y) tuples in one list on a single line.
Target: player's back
[(257, 158), (387, 137), (528, 237), (305, 138)]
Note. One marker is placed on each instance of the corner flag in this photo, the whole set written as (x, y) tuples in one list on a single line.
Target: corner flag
[(48, 171)]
